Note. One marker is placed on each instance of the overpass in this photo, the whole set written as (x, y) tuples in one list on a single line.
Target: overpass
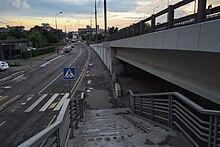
[(183, 51)]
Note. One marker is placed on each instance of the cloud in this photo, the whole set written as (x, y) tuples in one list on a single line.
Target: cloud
[(25, 5), (15, 3), (19, 4)]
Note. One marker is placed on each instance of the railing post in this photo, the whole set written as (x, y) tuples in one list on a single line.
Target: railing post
[(152, 107), (134, 104), (153, 21), (170, 16), (215, 130), (71, 121), (201, 16), (210, 131), (170, 114), (141, 27), (76, 105), (141, 105), (58, 137)]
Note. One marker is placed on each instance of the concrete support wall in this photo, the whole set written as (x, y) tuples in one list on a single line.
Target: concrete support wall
[(104, 52)]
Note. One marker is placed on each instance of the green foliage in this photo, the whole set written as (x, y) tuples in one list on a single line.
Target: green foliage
[(38, 52), (37, 38), (112, 30)]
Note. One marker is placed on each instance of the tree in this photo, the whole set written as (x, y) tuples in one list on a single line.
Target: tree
[(112, 30), (37, 39)]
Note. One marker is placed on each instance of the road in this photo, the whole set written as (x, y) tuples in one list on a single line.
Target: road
[(31, 101)]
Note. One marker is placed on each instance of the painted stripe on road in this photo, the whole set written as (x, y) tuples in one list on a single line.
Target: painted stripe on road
[(49, 102), (10, 101), (2, 123), (3, 97), (36, 103), (60, 104)]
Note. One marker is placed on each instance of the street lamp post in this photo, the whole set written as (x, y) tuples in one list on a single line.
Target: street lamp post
[(96, 27), (65, 29), (56, 28)]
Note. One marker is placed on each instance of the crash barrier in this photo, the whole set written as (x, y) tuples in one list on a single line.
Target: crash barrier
[(59, 133), (200, 126)]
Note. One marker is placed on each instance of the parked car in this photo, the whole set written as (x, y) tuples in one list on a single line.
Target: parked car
[(3, 65)]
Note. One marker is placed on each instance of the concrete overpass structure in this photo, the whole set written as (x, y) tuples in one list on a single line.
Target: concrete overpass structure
[(187, 56)]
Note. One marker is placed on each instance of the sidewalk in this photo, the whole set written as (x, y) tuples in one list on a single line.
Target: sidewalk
[(98, 86)]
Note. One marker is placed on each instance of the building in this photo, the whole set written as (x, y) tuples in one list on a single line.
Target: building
[(2, 29), (86, 31), (46, 26), (21, 28), (12, 49)]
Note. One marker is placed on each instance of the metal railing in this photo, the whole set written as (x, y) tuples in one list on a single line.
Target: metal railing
[(150, 24), (59, 133), (200, 126)]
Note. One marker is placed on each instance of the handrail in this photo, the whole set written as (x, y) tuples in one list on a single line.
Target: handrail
[(138, 28), (71, 112), (200, 125)]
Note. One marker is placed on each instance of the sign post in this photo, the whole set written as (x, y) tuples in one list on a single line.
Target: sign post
[(69, 74)]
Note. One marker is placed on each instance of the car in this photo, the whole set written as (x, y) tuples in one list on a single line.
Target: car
[(3, 65), (67, 49)]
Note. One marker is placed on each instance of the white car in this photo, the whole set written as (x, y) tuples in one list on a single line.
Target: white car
[(3, 65)]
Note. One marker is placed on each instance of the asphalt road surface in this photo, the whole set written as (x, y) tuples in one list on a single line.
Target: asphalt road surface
[(31, 101)]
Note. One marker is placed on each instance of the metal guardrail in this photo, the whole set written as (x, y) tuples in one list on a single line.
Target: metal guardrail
[(59, 133), (150, 24), (201, 126)]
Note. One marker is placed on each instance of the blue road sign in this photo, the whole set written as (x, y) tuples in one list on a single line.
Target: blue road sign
[(69, 73)]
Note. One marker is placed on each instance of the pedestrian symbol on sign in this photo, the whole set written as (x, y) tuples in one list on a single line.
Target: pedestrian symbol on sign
[(69, 73)]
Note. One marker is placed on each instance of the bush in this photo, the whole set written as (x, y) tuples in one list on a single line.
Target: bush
[(39, 51)]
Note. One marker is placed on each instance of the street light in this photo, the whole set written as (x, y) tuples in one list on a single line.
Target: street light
[(65, 29), (56, 27), (56, 18)]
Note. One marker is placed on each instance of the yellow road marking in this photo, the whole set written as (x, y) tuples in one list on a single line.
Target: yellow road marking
[(11, 100), (2, 98), (53, 105)]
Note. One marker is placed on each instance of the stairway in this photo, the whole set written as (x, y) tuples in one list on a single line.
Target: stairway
[(120, 128)]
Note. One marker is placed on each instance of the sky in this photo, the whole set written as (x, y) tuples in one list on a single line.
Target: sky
[(77, 13)]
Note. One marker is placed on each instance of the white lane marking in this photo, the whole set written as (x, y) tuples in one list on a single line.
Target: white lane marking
[(50, 83), (48, 62), (59, 74), (2, 123), (60, 104), (49, 102), (36, 103), (18, 77)]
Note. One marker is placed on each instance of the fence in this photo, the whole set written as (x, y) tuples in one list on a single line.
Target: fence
[(201, 126), (149, 24), (59, 133)]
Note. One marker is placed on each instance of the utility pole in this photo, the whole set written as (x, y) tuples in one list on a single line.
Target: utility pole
[(96, 27), (105, 15)]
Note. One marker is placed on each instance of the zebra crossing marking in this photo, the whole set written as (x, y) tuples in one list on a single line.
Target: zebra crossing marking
[(49, 102), (60, 104), (36, 103)]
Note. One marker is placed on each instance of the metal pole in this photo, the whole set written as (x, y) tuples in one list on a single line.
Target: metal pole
[(56, 28), (96, 27), (69, 90), (105, 15)]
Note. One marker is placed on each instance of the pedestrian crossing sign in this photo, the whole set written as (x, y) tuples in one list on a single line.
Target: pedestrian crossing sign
[(69, 73)]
